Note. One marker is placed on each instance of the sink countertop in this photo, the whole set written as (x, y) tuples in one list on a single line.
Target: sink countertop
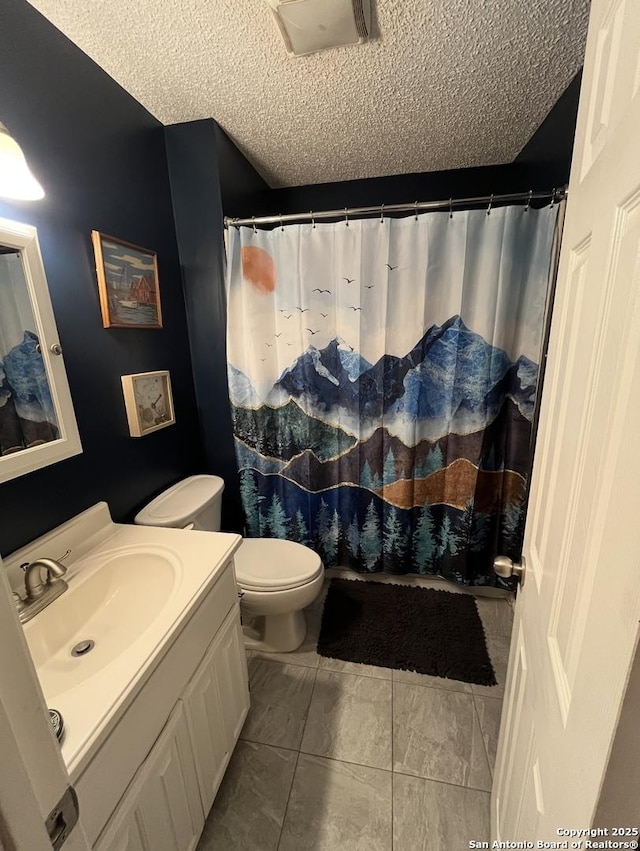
[(92, 707)]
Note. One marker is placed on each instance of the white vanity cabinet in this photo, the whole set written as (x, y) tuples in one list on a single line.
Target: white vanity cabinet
[(166, 803)]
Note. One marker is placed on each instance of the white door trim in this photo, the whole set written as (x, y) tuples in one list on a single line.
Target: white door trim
[(33, 775)]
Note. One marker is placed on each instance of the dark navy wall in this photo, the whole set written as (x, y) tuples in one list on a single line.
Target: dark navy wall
[(548, 152), (208, 174), (101, 159), (239, 180), (196, 185), (396, 189)]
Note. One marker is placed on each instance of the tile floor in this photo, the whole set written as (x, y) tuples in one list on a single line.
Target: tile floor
[(336, 756)]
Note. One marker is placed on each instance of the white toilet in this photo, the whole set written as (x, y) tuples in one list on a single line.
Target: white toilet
[(277, 579)]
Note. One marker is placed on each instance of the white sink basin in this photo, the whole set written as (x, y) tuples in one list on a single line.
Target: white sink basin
[(131, 591), (113, 601)]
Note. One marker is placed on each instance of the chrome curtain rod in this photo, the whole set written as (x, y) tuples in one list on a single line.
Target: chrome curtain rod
[(555, 195)]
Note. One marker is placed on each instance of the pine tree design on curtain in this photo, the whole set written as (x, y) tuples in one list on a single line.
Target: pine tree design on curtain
[(383, 381)]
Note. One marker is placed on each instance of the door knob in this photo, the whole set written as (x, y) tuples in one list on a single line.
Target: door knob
[(506, 567)]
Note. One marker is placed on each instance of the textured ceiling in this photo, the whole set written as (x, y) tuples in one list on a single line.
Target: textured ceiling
[(446, 84)]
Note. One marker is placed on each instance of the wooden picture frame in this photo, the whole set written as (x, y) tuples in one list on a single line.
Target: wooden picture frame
[(148, 401), (127, 283)]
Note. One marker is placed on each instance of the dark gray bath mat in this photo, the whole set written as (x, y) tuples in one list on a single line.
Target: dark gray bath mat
[(407, 628)]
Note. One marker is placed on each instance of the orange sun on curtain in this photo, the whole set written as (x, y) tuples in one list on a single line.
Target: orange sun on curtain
[(258, 268)]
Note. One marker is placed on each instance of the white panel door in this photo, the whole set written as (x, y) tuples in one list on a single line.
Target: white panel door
[(161, 810), (576, 624), (33, 776), (216, 704), (231, 671), (211, 745), (169, 809), (128, 837)]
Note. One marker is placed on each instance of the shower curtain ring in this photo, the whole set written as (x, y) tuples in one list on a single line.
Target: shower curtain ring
[(381, 214), (313, 221), (529, 197), (490, 203), (281, 224), (415, 208), (255, 229), (450, 208), (553, 198), (346, 217)]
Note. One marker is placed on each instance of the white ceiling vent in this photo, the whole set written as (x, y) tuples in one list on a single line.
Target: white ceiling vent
[(311, 25)]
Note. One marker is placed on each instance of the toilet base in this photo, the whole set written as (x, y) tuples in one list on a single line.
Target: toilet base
[(275, 633)]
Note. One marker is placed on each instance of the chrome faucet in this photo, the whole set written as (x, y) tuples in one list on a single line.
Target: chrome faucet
[(39, 593)]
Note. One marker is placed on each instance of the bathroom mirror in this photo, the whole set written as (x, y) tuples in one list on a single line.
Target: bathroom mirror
[(37, 421)]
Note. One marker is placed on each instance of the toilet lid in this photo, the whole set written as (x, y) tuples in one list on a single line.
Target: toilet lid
[(181, 502), (268, 564)]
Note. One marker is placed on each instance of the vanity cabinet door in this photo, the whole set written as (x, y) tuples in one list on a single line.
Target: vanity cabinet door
[(128, 838), (169, 808), (231, 670), (216, 704), (162, 810)]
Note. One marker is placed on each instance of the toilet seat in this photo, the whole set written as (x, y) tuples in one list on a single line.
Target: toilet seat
[(269, 564)]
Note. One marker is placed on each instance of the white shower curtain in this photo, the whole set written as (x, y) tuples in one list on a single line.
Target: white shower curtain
[(383, 380)]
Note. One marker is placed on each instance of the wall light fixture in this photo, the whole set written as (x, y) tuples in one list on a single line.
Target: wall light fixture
[(16, 180)]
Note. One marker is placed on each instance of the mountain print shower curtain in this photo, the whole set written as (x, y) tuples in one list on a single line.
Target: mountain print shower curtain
[(383, 378)]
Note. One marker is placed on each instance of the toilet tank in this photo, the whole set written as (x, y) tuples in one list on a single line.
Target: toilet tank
[(195, 502)]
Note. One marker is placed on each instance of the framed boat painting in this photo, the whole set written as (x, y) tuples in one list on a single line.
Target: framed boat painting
[(127, 283)]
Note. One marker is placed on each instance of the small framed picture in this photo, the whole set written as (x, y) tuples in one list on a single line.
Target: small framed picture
[(127, 283), (148, 401)]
